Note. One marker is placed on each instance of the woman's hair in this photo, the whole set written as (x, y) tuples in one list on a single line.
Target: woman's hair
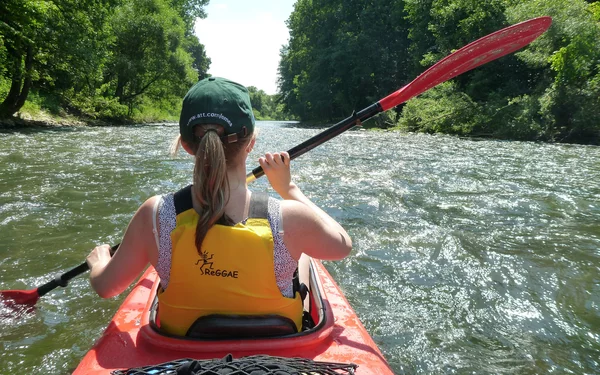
[(211, 185)]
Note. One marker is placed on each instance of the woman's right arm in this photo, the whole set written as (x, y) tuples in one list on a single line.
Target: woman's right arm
[(307, 228)]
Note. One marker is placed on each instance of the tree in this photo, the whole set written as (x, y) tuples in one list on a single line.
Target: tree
[(265, 106), (189, 10), (20, 29), (200, 62), (148, 49), (547, 91), (99, 57), (342, 55), (569, 100), (54, 45)]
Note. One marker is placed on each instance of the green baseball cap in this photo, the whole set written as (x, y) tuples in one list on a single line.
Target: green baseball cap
[(217, 101)]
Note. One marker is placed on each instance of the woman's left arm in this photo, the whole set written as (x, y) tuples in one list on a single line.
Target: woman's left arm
[(111, 276)]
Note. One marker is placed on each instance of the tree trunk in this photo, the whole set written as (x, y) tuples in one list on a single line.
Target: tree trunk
[(142, 90), (14, 65), (28, 79), (119, 91), (19, 90)]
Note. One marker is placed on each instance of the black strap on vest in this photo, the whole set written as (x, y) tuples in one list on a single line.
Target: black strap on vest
[(183, 200), (258, 207)]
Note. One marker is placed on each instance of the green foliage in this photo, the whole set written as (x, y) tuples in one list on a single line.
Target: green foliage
[(99, 58), (570, 97), (148, 49), (157, 110), (595, 10), (135, 59), (443, 109), (189, 10), (345, 55), (4, 86), (342, 55), (519, 119), (267, 107), (98, 106), (33, 106), (200, 62)]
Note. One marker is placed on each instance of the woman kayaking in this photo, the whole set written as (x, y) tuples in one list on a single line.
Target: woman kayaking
[(218, 248)]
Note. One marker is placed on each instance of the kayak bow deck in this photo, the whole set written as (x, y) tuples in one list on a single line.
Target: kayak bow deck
[(130, 340)]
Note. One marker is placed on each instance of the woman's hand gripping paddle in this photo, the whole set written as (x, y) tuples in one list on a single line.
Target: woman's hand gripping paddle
[(30, 297), (472, 55)]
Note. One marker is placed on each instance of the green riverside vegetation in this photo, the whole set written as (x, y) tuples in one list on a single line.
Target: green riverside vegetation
[(345, 55), (99, 59), (133, 60), (120, 61), (267, 107)]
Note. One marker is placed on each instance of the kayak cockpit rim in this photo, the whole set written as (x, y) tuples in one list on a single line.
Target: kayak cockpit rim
[(318, 310)]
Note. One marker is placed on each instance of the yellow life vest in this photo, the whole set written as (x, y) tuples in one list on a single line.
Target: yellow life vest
[(235, 275)]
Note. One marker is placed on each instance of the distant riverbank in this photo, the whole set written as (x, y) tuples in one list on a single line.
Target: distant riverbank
[(44, 119)]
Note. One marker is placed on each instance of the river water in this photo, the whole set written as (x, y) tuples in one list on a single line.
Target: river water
[(469, 256)]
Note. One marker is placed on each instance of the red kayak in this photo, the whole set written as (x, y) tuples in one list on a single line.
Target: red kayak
[(132, 339)]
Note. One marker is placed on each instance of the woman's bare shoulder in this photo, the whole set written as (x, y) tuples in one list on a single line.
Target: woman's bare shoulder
[(305, 232)]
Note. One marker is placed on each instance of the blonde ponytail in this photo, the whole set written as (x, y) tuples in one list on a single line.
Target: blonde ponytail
[(211, 186)]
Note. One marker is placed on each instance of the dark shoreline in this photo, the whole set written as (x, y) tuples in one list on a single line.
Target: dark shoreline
[(47, 122), (17, 123)]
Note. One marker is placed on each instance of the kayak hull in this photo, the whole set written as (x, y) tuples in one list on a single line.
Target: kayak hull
[(131, 341)]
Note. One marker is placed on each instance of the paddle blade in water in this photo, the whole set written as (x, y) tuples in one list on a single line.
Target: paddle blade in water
[(479, 52), (19, 297), (30, 297)]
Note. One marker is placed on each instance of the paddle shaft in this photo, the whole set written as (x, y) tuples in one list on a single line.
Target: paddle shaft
[(63, 280), (323, 137)]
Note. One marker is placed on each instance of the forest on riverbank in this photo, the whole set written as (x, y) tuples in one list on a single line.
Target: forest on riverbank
[(119, 61), (345, 55), (133, 60), (105, 59)]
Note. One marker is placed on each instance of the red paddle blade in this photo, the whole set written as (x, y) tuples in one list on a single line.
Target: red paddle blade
[(19, 297), (479, 52)]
